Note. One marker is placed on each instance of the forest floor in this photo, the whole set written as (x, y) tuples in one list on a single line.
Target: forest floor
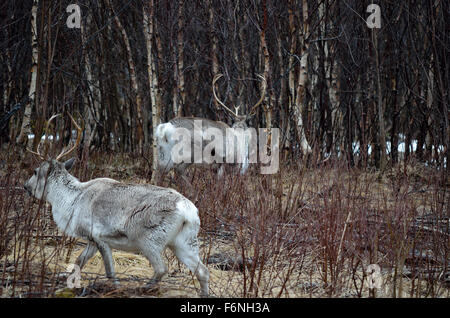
[(303, 232)]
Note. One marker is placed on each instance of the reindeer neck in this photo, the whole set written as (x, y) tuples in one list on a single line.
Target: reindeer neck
[(63, 188)]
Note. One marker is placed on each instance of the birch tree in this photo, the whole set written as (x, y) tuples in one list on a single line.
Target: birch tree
[(300, 101), (180, 60), (155, 96), (141, 134), (380, 106), (266, 62), (25, 130), (93, 91)]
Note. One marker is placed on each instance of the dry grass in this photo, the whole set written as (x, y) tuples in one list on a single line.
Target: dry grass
[(305, 232)]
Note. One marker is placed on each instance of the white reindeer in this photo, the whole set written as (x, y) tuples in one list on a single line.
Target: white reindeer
[(166, 140), (130, 217)]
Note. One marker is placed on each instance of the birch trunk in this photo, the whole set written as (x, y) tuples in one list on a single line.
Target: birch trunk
[(153, 80), (134, 84), (380, 106), (429, 101), (93, 91), (281, 98), (265, 53), (175, 100), (245, 59), (176, 74), (25, 129), (331, 75), (302, 79), (213, 37), (291, 61), (180, 46), (336, 113), (7, 90)]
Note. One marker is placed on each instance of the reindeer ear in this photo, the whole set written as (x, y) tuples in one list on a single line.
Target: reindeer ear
[(69, 163)]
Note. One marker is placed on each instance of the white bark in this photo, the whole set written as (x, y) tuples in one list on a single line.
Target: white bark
[(180, 45), (302, 79), (26, 128), (153, 80), (215, 63), (93, 88)]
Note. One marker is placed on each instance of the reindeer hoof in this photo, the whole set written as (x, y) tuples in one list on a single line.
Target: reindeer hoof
[(152, 285)]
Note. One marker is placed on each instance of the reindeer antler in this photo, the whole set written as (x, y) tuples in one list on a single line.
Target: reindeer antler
[(236, 113), (264, 83), (63, 153), (77, 142), (37, 152)]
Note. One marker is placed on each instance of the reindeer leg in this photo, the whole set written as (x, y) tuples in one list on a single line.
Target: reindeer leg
[(106, 253), (154, 257), (86, 255)]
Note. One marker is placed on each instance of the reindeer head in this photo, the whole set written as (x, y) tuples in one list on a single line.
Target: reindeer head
[(240, 120), (50, 169)]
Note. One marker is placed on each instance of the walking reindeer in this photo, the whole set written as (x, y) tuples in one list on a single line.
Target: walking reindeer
[(112, 215), (167, 138)]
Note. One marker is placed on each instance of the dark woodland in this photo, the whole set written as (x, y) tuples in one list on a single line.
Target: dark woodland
[(363, 114)]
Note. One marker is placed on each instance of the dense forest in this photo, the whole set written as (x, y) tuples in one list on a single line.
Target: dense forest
[(357, 89), (368, 95)]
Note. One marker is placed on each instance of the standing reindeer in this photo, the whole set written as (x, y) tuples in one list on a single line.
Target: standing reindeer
[(166, 140), (110, 214)]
